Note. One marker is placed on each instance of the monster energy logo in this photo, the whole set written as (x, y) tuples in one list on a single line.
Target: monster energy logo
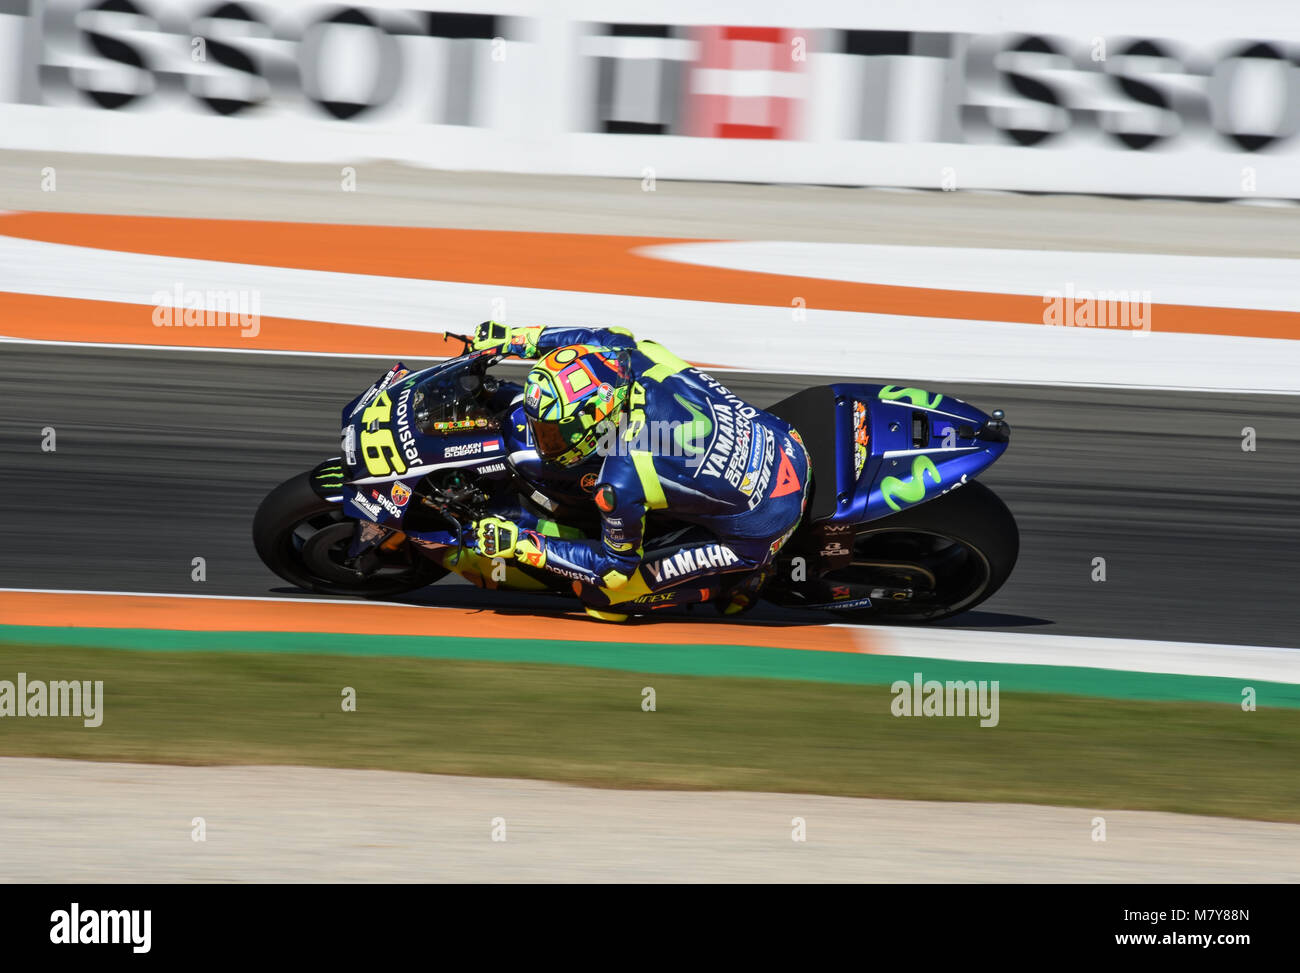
[(330, 476)]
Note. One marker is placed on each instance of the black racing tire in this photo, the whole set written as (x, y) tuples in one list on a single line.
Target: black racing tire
[(971, 521), (299, 534)]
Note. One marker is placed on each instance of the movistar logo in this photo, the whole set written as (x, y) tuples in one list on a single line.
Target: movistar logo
[(911, 490), (918, 397), (688, 434)]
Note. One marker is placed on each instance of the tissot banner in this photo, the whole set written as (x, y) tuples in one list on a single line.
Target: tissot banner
[(938, 95)]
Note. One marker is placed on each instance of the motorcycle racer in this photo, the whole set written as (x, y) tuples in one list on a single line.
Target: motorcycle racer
[(732, 478)]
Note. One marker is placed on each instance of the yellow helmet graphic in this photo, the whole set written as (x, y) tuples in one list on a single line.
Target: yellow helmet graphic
[(569, 394)]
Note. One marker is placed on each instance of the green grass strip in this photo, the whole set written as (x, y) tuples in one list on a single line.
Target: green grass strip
[(697, 660), (587, 725)]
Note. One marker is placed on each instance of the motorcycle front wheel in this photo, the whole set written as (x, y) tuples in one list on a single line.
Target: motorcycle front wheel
[(304, 539)]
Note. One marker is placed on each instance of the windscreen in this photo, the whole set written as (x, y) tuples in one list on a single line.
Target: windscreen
[(449, 404)]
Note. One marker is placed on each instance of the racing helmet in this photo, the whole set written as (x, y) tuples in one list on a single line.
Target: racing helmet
[(570, 395)]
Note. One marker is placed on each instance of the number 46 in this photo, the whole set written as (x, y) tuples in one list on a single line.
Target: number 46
[(374, 444)]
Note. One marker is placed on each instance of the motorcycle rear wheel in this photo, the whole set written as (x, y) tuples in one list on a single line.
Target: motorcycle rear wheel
[(951, 553)]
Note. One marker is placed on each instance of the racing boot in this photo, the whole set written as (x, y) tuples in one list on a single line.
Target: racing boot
[(744, 596), (604, 616)]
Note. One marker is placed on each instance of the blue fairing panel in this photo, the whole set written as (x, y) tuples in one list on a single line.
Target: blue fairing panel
[(903, 446)]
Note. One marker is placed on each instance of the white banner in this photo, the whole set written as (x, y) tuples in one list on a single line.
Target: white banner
[(1046, 96)]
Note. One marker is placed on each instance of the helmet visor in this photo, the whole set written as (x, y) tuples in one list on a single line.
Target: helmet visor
[(548, 439)]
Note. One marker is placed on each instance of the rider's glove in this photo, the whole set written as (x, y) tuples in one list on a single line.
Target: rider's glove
[(498, 537), (495, 336)]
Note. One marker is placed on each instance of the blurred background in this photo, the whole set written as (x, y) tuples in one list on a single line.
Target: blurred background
[(1111, 97), (789, 195)]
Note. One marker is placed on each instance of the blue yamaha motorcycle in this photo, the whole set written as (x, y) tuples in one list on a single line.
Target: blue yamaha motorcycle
[(896, 527)]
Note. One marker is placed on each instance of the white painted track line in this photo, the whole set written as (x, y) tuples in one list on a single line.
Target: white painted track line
[(749, 337)]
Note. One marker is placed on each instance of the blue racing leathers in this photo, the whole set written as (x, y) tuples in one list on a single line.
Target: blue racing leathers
[(732, 478)]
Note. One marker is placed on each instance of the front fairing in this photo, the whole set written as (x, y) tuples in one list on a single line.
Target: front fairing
[(387, 452)]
